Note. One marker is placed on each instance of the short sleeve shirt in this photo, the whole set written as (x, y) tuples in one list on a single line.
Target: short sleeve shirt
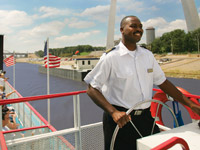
[(2, 82), (126, 77)]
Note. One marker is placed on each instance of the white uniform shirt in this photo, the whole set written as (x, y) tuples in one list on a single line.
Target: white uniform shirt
[(126, 77)]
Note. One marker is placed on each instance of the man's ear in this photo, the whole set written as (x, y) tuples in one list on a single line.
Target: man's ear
[(121, 29)]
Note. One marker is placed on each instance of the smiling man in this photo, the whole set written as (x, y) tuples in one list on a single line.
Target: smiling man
[(123, 77)]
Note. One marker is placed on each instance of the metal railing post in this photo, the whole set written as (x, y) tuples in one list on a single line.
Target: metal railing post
[(75, 120), (23, 114), (77, 123), (18, 109), (31, 119)]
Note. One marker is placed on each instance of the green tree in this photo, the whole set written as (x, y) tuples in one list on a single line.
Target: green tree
[(165, 43), (196, 37), (156, 46), (177, 40), (69, 51), (39, 53), (189, 43)]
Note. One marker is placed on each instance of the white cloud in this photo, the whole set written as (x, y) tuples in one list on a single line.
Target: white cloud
[(81, 24), (43, 30), (99, 13), (81, 38), (166, 1), (160, 1), (95, 10), (77, 36), (128, 5), (177, 24), (78, 24), (155, 22), (10, 20), (52, 12), (161, 25)]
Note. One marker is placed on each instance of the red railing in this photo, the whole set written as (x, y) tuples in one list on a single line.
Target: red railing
[(2, 142), (187, 95), (171, 142), (34, 98), (24, 129), (42, 97)]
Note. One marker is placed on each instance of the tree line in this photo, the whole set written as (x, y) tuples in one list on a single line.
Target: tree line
[(176, 42), (70, 51)]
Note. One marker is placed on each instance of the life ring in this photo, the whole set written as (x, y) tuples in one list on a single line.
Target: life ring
[(162, 97)]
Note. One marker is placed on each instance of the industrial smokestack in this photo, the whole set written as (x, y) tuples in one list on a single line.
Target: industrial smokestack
[(150, 35)]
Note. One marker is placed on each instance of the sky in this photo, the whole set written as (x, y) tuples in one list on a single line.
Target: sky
[(26, 24)]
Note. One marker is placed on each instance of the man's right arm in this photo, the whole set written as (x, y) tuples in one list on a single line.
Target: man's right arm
[(119, 117)]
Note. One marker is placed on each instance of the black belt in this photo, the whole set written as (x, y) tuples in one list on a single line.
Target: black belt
[(137, 112)]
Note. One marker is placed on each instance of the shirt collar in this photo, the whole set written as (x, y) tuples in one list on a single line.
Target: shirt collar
[(124, 50)]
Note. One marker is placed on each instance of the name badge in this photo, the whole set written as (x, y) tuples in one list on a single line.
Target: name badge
[(150, 70)]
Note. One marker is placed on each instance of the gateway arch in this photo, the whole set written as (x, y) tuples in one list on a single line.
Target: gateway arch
[(191, 15)]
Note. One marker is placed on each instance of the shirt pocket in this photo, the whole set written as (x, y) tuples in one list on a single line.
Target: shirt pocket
[(124, 73)]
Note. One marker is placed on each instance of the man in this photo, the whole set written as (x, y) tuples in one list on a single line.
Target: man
[(123, 77)]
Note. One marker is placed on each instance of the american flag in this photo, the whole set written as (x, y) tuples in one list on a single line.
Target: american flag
[(54, 61), (10, 61)]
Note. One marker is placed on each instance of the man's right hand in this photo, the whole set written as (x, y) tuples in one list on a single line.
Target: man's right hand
[(121, 118)]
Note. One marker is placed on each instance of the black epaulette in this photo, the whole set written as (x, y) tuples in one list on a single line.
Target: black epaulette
[(109, 50)]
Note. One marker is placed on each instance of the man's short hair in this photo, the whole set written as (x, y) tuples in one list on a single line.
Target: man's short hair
[(5, 110), (124, 20)]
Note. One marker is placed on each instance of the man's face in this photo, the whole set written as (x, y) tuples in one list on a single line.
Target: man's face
[(6, 118), (132, 30)]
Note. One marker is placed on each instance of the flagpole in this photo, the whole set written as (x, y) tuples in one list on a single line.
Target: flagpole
[(48, 87), (14, 69)]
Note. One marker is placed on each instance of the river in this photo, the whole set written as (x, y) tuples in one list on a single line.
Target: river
[(29, 82)]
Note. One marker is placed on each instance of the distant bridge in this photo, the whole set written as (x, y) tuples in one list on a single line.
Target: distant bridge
[(24, 55)]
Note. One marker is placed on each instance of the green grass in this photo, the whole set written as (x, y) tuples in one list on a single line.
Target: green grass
[(181, 74), (85, 53)]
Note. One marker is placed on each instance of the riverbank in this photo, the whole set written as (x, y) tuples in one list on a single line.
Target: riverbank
[(179, 66)]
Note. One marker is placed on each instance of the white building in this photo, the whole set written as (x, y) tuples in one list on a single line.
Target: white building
[(85, 63)]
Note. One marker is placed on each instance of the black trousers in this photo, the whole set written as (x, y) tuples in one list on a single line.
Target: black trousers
[(127, 136)]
